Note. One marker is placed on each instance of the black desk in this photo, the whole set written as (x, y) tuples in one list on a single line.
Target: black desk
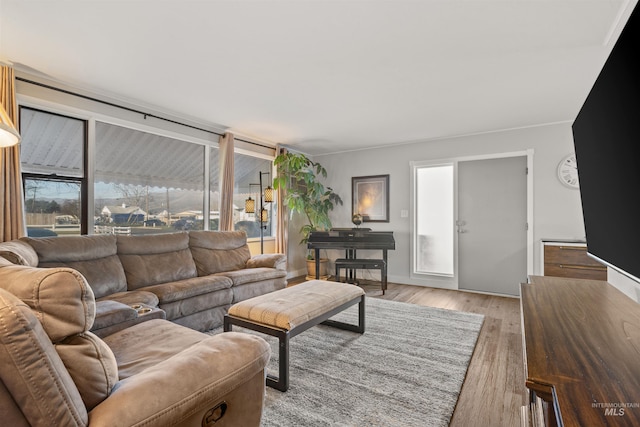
[(351, 239)]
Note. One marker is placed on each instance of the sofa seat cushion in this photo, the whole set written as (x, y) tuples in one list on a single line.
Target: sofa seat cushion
[(133, 298), (250, 290), (156, 258), (225, 354), (204, 320), (218, 251), (95, 257), (250, 275), (183, 374), (188, 288), (206, 302)]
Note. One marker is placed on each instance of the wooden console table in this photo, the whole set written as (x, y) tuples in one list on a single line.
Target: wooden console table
[(581, 342)]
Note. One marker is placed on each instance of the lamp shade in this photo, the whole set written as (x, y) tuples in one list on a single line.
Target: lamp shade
[(268, 194), (8, 134), (264, 215), (249, 205)]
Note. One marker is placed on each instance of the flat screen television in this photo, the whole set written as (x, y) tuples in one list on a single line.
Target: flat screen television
[(606, 135)]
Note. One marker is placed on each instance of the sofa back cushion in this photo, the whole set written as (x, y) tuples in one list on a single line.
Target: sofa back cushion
[(155, 258), (93, 256), (219, 251)]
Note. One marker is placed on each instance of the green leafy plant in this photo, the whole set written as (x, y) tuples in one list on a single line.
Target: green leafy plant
[(304, 192)]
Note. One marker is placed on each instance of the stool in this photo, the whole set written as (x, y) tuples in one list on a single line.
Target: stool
[(363, 264), (287, 312)]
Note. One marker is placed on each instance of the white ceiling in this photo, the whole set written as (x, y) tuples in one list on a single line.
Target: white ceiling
[(326, 76)]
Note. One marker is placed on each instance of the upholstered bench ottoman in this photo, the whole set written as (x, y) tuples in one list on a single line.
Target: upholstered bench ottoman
[(287, 312)]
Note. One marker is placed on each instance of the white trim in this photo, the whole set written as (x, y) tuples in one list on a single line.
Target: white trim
[(530, 217), (206, 190), (445, 138), (253, 154), (90, 174)]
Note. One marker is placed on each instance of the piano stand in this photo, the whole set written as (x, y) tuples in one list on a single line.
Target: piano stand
[(363, 264)]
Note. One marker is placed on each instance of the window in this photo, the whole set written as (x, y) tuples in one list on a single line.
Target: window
[(146, 183), (86, 175), (247, 184), (52, 160), (434, 244)]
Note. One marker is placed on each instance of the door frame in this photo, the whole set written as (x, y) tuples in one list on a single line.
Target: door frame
[(433, 280)]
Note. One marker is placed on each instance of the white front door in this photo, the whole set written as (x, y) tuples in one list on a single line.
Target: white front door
[(492, 225)]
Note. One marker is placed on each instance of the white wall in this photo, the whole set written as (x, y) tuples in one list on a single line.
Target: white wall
[(557, 209), (628, 286)]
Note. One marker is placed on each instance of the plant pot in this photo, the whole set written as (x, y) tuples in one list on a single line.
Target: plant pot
[(311, 269)]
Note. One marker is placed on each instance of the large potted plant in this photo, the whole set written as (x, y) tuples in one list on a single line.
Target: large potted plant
[(305, 194)]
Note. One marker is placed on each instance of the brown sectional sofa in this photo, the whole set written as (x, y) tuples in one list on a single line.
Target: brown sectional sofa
[(191, 278), (55, 372)]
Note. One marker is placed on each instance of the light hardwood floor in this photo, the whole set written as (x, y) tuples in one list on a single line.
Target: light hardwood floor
[(493, 391)]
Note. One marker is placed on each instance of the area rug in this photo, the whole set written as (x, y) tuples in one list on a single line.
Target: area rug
[(407, 369)]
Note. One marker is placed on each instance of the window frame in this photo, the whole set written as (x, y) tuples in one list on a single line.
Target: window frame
[(67, 106), (83, 180)]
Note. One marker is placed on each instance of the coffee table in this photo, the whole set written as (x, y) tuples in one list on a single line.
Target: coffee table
[(288, 312)]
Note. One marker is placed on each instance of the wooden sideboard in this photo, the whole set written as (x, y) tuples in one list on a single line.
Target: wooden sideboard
[(570, 259), (581, 343)]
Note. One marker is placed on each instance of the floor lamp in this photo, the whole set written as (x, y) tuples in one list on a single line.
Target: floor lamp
[(8, 134), (250, 206)]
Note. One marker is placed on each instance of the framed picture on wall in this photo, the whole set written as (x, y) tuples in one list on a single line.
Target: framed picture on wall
[(370, 197)]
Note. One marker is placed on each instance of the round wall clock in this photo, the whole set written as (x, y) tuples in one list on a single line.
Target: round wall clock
[(568, 171)]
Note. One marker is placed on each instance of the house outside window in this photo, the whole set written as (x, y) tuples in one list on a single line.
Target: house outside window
[(146, 183)]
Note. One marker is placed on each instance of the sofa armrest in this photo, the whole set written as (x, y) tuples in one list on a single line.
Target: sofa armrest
[(228, 367), (111, 313), (19, 253), (114, 316), (277, 261)]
